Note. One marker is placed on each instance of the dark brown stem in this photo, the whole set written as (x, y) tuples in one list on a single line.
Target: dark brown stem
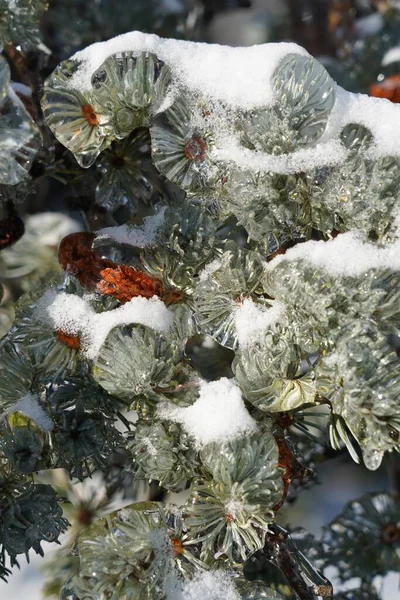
[(17, 61), (281, 551), (393, 468)]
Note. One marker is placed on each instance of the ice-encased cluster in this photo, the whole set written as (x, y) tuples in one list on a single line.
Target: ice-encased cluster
[(263, 134), (275, 233)]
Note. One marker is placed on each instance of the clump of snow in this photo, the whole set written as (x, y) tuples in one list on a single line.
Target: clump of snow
[(233, 80), (149, 446), (347, 255), (251, 319), (21, 88), (222, 399), (332, 359), (51, 227), (206, 585), (239, 77), (161, 543), (210, 268), (75, 316), (368, 25), (362, 109), (329, 153), (233, 508), (209, 342), (143, 236), (30, 407), (391, 56)]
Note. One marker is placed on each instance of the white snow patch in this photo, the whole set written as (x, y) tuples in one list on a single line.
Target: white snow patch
[(218, 415), (51, 227), (30, 407), (239, 77), (233, 80), (379, 115), (149, 446), (143, 236), (391, 56), (347, 255), (332, 359), (233, 508), (368, 25), (209, 343), (206, 585), (252, 320), (329, 153), (75, 316)]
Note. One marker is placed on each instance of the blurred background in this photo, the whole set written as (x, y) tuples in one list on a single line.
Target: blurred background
[(358, 41)]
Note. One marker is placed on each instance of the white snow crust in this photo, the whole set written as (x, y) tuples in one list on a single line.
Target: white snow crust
[(252, 320), (347, 255), (222, 399), (391, 56), (206, 585), (379, 115), (141, 236), (369, 25), (75, 316), (210, 268), (236, 80), (51, 227), (235, 76), (239, 79), (30, 407)]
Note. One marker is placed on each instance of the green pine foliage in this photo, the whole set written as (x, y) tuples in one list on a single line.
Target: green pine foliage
[(174, 350)]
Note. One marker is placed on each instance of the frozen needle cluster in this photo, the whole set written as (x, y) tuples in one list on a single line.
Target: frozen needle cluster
[(272, 233)]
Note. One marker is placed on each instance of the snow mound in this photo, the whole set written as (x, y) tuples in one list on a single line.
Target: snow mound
[(75, 316), (223, 400)]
